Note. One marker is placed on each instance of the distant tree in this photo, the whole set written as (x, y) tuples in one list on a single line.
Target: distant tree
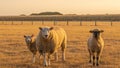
[(47, 13), (50, 13)]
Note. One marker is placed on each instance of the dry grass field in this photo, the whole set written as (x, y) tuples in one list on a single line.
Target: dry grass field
[(14, 52)]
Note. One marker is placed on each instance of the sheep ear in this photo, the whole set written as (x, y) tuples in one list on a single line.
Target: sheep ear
[(102, 31), (51, 28), (40, 28), (91, 31), (32, 35), (24, 36)]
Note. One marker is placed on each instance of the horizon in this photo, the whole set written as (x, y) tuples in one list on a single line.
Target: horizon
[(79, 7)]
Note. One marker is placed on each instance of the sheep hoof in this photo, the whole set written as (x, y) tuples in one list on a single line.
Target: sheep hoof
[(45, 65), (97, 64), (90, 61), (63, 60), (93, 64)]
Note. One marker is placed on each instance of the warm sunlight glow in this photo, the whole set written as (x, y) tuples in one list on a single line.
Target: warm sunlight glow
[(17, 7)]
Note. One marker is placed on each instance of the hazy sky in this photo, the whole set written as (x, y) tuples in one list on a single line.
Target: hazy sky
[(17, 7)]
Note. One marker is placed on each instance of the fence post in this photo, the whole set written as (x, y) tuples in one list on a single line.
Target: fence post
[(21, 22), (12, 22), (80, 23), (2, 22), (111, 23), (32, 22), (54, 22), (67, 22), (95, 23), (42, 22)]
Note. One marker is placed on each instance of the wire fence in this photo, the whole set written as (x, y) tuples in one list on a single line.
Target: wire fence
[(57, 23)]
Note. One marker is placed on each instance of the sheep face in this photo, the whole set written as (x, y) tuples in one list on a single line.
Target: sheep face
[(45, 31), (96, 32), (28, 39)]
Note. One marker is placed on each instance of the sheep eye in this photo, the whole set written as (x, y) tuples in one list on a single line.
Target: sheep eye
[(43, 30), (98, 32)]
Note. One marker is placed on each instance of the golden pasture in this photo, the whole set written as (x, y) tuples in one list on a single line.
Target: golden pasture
[(14, 52)]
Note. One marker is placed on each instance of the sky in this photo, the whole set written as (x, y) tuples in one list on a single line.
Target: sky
[(17, 7)]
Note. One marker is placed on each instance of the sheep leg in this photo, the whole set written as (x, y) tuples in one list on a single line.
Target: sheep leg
[(97, 58), (63, 54), (93, 59), (63, 45), (45, 61), (56, 56), (90, 56), (33, 59), (63, 51), (49, 59), (39, 57), (97, 63)]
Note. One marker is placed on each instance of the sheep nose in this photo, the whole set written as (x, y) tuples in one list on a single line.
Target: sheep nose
[(46, 35)]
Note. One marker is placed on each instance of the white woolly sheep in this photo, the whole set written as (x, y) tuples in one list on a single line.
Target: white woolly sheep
[(95, 45), (49, 40), (31, 44)]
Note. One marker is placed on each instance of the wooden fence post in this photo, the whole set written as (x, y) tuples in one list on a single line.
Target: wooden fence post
[(12, 22), (2, 22), (67, 22), (80, 23), (32, 23), (95, 23), (21, 22), (54, 23), (42, 22), (111, 23)]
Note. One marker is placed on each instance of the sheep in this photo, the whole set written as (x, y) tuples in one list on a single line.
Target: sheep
[(95, 45), (48, 41), (31, 44)]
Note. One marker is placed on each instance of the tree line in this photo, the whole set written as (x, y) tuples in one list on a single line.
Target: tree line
[(61, 18)]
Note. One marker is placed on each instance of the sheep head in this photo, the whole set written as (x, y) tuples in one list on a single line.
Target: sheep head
[(28, 39), (96, 32), (45, 31)]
